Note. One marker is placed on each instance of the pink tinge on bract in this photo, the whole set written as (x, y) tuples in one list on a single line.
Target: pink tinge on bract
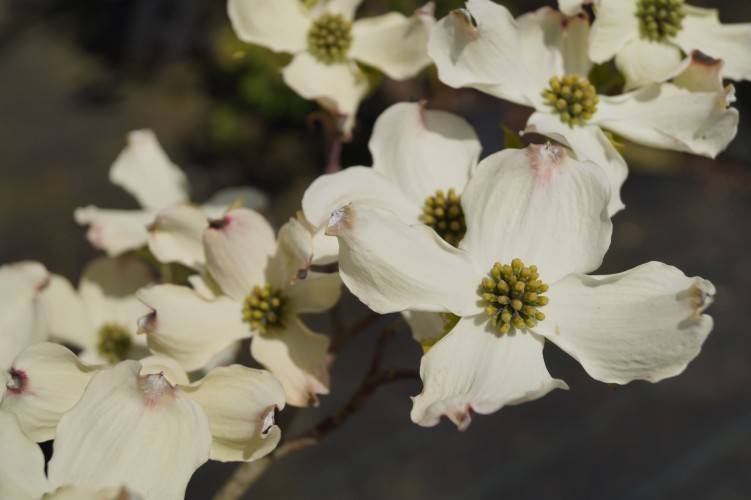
[(147, 323), (544, 158), (155, 387), (18, 382), (220, 224)]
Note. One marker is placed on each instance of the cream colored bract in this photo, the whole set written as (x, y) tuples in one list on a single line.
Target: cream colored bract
[(532, 205), (484, 47), (327, 45)]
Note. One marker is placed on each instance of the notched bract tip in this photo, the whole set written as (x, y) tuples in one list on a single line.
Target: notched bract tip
[(267, 420), (340, 219), (542, 156), (146, 324), (701, 295), (464, 18), (154, 387), (220, 223)]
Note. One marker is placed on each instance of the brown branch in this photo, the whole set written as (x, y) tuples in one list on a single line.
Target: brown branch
[(246, 474), (343, 335)]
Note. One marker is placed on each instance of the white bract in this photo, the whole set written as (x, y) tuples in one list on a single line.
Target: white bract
[(327, 45), (22, 471), (101, 317), (536, 218), (422, 159), (139, 424), (22, 320), (167, 223), (44, 381), (266, 286), (540, 60), (650, 37)]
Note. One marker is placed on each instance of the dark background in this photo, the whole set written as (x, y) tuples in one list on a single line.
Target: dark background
[(77, 75)]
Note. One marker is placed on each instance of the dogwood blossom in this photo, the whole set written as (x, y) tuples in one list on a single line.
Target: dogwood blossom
[(101, 317), (167, 223), (540, 60), (649, 38), (22, 320), (327, 45), (422, 159), (266, 286), (141, 424), (22, 471), (536, 219)]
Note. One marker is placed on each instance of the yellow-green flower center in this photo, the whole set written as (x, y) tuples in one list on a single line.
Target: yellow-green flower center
[(572, 97), (263, 308), (445, 215), (512, 295), (114, 342), (660, 19), (329, 38)]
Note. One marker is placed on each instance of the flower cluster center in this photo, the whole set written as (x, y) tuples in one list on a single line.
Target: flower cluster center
[(114, 342), (329, 38), (572, 97), (444, 213), (263, 308), (512, 295), (660, 19)]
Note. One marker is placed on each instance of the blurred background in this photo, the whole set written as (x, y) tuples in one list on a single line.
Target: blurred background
[(77, 75)]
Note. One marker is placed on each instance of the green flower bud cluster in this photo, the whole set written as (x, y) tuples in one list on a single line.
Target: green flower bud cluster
[(114, 342), (572, 97), (329, 38), (445, 215), (263, 308), (511, 295), (660, 19)]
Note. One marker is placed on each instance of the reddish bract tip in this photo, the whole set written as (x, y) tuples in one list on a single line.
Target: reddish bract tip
[(18, 382), (220, 223)]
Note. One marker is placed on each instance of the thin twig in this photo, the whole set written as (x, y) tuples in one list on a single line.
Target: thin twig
[(343, 335), (245, 475)]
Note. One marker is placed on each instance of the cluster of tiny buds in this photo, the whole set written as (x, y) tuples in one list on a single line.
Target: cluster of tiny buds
[(263, 308), (114, 342), (445, 215), (572, 97), (329, 38), (660, 19), (512, 294)]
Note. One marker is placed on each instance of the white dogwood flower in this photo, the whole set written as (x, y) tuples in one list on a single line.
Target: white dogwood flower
[(327, 45), (536, 218), (266, 286), (650, 37), (44, 381), (170, 426), (540, 60), (22, 471), (22, 320), (167, 223), (422, 159), (101, 317)]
